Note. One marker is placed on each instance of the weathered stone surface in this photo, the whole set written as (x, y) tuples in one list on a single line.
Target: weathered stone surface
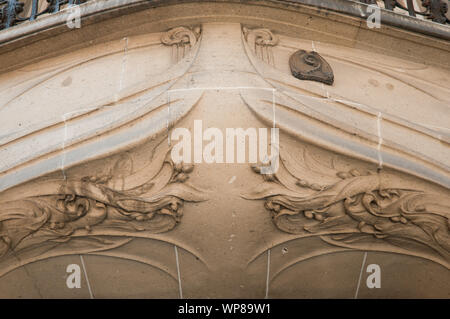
[(87, 175)]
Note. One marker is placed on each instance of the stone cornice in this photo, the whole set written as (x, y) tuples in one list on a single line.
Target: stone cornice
[(396, 25), (349, 7)]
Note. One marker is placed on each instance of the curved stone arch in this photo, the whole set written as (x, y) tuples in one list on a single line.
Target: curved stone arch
[(223, 81)]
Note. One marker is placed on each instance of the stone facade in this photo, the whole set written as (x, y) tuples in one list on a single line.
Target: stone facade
[(87, 174)]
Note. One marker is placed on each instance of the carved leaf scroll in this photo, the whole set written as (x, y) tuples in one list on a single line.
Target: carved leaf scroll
[(359, 210), (182, 39), (261, 41), (311, 66)]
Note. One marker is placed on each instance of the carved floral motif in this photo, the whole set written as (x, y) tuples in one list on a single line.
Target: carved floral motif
[(98, 206), (261, 41), (359, 209), (182, 39)]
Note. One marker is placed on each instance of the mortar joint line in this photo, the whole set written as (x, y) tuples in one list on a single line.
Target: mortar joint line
[(86, 277), (360, 275), (268, 274), (178, 272)]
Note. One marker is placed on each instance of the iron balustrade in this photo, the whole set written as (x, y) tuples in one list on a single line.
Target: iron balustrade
[(12, 11), (435, 10)]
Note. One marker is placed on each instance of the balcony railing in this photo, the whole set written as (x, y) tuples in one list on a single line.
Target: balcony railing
[(13, 12), (435, 10)]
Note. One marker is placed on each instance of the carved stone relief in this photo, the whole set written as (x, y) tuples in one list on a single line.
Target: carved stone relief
[(356, 209), (336, 105), (230, 76), (97, 211), (78, 116), (261, 41)]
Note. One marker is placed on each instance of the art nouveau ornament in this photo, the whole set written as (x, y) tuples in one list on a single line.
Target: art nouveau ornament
[(182, 40), (95, 175), (357, 209), (96, 212), (262, 41)]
